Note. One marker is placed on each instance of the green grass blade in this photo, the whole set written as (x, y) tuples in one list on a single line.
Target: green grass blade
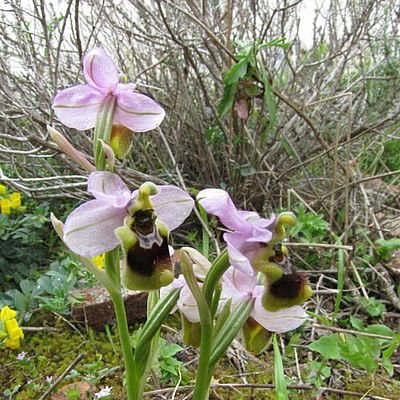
[(280, 384)]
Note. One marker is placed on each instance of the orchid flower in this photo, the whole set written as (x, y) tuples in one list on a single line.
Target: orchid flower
[(89, 229), (78, 106), (254, 246), (249, 231), (240, 286)]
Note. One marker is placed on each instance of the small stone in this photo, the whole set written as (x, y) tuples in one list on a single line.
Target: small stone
[(97, 310)]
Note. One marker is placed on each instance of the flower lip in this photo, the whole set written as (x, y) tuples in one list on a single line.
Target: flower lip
[(240, 286)]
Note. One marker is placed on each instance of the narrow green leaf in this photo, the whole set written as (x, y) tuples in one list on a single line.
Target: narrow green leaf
[(268, 96), (236, 72), (280, 384), (223, 316), (391, 244), (229, 330), (228, 97), (158, 314)]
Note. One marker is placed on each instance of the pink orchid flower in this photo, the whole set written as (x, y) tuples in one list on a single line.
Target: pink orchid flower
[(78, 106), (241, 286), (89, 229), (249, 230)]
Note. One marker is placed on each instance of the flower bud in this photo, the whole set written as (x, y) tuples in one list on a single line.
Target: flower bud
[(109, 154), (200, 264), (121, 140), (66, 147), (58, 226), (256, 337), (191, 332)]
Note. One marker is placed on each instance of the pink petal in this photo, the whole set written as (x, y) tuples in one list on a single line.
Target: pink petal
[(187, 305), (240, 282), (109, 187), (280, 321), (136, 111), (89, 229), (218, 202), (171, 204), (99, 70), (240, 253), (77, 107), (237, 286)]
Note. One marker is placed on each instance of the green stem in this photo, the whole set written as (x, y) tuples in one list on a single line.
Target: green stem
[(123, 331), (203, 374), (112, 271), (207, 328), (152, 300)]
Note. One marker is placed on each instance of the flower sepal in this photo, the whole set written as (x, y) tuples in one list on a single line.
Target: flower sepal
[(191, 332), (121, 141), (256, 337)]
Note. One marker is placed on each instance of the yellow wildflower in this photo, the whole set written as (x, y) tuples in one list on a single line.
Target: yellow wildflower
[(15, 200), (5, 206), (99, 261), (10, 329), (6, 313), (3, 190)]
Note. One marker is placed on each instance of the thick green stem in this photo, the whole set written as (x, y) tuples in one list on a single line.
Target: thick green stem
[(112, 271), (203, 374), (123, 331), (207, 328)]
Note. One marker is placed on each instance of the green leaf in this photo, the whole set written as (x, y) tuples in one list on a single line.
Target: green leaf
[(356, 323), (156, 318), (390, 245), (327, 346), (382, 330), (230, 329), (373, 306), (236, 72), (268, 96), (360, 352), (228, 97), (280, 384), (386, 354)]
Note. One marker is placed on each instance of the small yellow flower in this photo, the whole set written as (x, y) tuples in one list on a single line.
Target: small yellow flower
[(6, 313), (99, 261), (10, 328), (15, 200), (3, 190), (5, 206)]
